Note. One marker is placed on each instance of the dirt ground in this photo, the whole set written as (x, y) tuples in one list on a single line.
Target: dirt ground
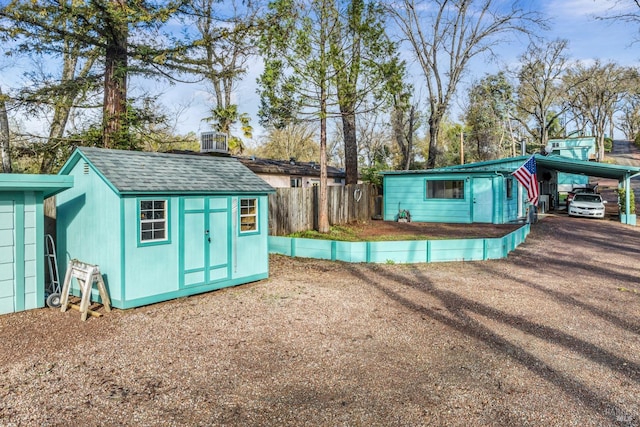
[(431, 230), (549, 336)]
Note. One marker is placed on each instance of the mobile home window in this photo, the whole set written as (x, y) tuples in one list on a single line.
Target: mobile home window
[(153, 220), (445, 189), (248, 215)]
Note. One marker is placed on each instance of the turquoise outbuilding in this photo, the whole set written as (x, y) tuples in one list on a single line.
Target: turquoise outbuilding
[(162, 226), (22, 236), (487, 192)]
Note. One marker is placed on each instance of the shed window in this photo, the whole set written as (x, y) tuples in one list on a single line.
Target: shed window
[(445, 189), (248, 215), (509, 188), (153, 220)]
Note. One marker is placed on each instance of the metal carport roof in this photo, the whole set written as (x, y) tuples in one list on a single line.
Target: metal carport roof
[(602, 170), (552, 163)]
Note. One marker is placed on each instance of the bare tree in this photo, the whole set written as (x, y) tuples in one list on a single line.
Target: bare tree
[(595, 92), (446, 34), (540, 91), (629, 123), (295, 141), (227, 41), (404, 122)]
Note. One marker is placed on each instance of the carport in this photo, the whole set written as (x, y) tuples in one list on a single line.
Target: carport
[(548, 167)]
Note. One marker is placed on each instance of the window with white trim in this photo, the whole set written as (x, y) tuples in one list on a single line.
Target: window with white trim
[(153, 220), (248, 215)]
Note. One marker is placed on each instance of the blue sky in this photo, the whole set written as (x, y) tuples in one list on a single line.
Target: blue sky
[(574, 20)]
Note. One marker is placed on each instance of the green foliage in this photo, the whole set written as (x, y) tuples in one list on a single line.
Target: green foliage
[(486, 117), (372, 175), (636, 141), (622, 201), (223, 119), (450, 141), (124, 36)]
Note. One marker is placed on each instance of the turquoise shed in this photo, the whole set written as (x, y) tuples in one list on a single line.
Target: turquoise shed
[(22, 233), (162, 226)]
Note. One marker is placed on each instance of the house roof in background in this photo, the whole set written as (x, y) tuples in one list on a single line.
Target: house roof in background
[(288, 167), (138, 172)]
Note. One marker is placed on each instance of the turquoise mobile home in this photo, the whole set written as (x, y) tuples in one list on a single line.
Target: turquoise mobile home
[(22, 237), (162, 226), (486, 192), (581, 148), (454, 196)]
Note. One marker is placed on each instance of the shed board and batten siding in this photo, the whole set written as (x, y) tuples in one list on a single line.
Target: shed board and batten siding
[(90, 216), (22, 277), (19, 263), (203, 248)]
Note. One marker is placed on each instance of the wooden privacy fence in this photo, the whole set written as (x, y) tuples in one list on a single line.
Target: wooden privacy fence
[(296, 209)]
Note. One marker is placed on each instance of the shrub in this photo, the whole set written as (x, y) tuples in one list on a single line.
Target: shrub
[(622, 199)]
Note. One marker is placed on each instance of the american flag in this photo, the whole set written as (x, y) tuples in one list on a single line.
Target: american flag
[(526, 175)]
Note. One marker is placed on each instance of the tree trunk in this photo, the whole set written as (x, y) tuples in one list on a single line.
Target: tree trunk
[(350, 146), (409, 137), (600, 147), (323, 213), (63, 106), (5, 145), (115, 79), (434, 130)]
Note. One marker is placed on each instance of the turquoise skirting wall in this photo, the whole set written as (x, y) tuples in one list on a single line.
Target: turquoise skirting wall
[(411, 251)]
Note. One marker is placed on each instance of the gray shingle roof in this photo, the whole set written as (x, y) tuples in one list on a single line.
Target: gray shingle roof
[(141, 172)]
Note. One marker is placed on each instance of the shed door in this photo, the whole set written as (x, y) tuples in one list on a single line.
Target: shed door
[(204, 240), (7, 255), (482, 192)]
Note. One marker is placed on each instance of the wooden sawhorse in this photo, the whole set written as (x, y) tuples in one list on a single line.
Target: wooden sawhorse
[(86, 275)]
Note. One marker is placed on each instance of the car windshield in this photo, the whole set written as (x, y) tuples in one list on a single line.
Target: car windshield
[(594, 198)]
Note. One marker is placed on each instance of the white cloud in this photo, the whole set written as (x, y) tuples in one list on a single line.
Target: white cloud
[(569, 10)]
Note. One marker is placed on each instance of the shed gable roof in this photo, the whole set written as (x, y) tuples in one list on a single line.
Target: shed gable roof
[(144, 172)]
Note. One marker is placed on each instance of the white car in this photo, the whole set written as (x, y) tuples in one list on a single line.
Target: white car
[(589, 205)]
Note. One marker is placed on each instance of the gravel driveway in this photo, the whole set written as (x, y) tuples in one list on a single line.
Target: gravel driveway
[(549, 336)]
